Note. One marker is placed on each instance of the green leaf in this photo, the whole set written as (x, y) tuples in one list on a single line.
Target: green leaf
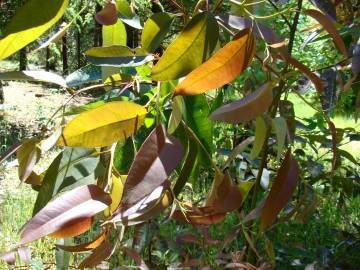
[(87, 74), (155, 29), (124, 8), (104, 125), (176, 114), (72, 166), (117, 56), (280, 127), (192, 47), (88, 107), (62, 258), (30, 22), (196, 117), (124, 155), (113, 35), (34, 76), (260, 135)]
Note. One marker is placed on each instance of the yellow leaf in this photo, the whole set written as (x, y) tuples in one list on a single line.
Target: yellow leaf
[(116, 195), (222, 68), (103, 125)]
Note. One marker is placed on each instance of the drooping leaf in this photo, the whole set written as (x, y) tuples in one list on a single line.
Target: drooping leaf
[(281, 191), (246, 108), (223, 67), (155, 29), (22, 30), (280, 128), (259, 30), (103, 125), (28, 155), (188, 167), (108, 15), (84, 75), (147, 208), (191, 48), (118, 56), (99, 254), (327, 7), (260, 135), (287, 111), (84, 247), (34, 76), (117, 189), (82, 202), (197, 118), (71, 167), (176, 114), (330, 28), (157, 158)]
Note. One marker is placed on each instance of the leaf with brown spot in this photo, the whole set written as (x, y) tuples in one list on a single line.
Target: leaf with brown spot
[(330, 28), (223, 67), (247, 108), (108, 15), (157, 158), (85, 246), (80, 203), (281, 191), (99, 254)]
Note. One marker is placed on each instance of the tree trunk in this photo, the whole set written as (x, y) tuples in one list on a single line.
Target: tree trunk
[(22, 59), (97, 30), (132, 37), (78, 48), (47, 63), (65, 55), (2, 96)]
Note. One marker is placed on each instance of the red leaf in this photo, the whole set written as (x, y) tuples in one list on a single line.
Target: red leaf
[(108, 15), (82, 202), (199, 216), (281, 191), (330, 28), (157, 158), (99, 254)]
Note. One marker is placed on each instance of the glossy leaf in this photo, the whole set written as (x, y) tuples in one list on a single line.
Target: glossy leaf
[(103, 125), (124, 8), (108, 15), (99, 254), (133, 22), (79, 203), (176, 114), (28, 155), (260, 135), (190, 49), (196, 117), (21, 30), (155, 29), (246, 108), (330, 28), (281, 191), (83, 76), (33, 76), (223, 67), (72, 167), (157, 158), (280, 128), (118, 56)]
